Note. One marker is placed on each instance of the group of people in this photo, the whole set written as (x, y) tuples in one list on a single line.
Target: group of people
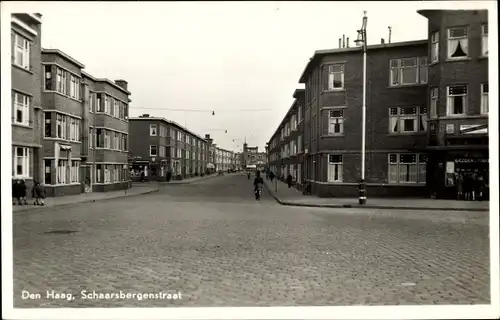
[(19, 191), (470, 186)]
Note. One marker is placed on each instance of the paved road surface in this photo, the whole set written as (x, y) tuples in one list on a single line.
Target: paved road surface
[(215, 245)]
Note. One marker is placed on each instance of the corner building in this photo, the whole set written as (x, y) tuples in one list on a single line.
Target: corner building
[(27, 118), (85, 128), (458, 97)]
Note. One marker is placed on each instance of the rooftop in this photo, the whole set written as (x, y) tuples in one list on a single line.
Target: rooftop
[(320, 53), (105, 80), (65, 56), (169, 122)]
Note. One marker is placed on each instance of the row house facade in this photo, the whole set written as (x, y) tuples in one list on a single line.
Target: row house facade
[(159, 146), (27, 115), (85, 128), (286, 146), (427, 112), (223, 159)]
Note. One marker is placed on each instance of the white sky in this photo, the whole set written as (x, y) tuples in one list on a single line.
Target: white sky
[(217, 56)]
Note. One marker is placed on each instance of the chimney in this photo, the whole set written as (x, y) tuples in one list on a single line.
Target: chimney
[(390, 31), (347, 42), (343, 41), (122, 84), (382, 41), (146, 115), (340, 43), (207, 136)]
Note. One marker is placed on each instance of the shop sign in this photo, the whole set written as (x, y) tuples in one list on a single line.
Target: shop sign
[(471, 160), (474, 129)]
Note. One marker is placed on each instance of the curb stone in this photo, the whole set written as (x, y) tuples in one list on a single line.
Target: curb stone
[(367, 206), (41, 208)]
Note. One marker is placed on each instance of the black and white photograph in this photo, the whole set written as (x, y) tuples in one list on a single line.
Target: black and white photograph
[(249, 160)]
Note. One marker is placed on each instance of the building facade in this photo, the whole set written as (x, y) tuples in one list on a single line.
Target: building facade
[(286, 146), (27, 115), (458, 97), (85, 128), (223, 159), (159, 146), (252, 158), (426, 113)]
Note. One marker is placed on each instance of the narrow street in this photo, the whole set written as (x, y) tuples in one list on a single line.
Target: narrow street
[(214, 244)]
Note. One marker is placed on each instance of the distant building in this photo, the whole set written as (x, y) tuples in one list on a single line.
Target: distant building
[(252, 158), (159, 146)]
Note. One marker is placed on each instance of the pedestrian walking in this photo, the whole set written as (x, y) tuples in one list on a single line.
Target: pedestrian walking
[(460, 186), (22, 191), (481, 186), (467, 187), (142, 176), (271, 176), (15, 192), (289, 180), (474, 186)]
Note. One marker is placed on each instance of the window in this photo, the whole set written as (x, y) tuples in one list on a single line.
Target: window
[(22, 51), (407, 119), (62, 169), (75, 172), (152, 129), (48, 124), (107, 139), (458, 43), (21, 162), (107, 173), (335, 77), (179, 153), (48, 77), (407, 168), (100, 138), (484, 98), (435, 47), (299, 113), (152, 150), (117, 109), (61, 123), (98, 103), (116, 141), (72, 126), (408, 71), (125, 145), (47, 172), (99, 177), (74, 89), (334, 168), (59, 80), (484, 40), (91, 138), (162, 151), (434, 102), (299, 144), (457, 100), (107, 104), (62, 81), (336, 122), (22, 109)]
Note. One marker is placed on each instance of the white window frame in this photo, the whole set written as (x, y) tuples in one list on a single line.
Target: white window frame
[(155, 148), (22, 160), (334, 166), (107, 173), (335, 119), (75, 171), (463, 40), (420, 164), (396, 71), (484, 40), (435, 47), (433, 103), (450, 98), (107, 106), (419, 117), (22, 47), (484, 98), (153, 130), (23, 107), (333, 71), (62, 171)]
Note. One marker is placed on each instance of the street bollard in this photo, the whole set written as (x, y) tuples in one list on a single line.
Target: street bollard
[(362, 192)]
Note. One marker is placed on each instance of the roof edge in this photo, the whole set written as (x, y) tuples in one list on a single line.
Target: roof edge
[(65, 56)]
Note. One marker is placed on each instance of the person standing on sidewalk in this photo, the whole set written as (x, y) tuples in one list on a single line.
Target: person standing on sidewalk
[(38, 193), (289, 180), (460, 186), (481, 186), (142, 176), (22, 192), (271, 176), (16, 192)]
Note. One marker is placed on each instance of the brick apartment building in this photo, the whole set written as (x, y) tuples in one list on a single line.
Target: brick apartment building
[(458, 97), (158, 146), (252, 158), (85, 132), (424, 101), (286, 146), (26, 97)]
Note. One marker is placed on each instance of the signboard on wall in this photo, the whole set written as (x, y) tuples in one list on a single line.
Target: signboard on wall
[(473, 128)]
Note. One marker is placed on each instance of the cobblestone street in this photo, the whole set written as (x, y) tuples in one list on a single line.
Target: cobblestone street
[(211, 242)]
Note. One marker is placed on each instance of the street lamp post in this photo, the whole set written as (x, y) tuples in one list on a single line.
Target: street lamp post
[(362, 40)]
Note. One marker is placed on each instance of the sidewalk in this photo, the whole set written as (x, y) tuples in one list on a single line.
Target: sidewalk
[(293, 197), (196, 179), (88, 197)]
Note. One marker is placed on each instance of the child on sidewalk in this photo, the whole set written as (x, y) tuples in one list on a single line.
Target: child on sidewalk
[(38, 193)]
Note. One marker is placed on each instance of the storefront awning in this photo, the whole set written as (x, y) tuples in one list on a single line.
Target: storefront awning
[(210, 166)]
